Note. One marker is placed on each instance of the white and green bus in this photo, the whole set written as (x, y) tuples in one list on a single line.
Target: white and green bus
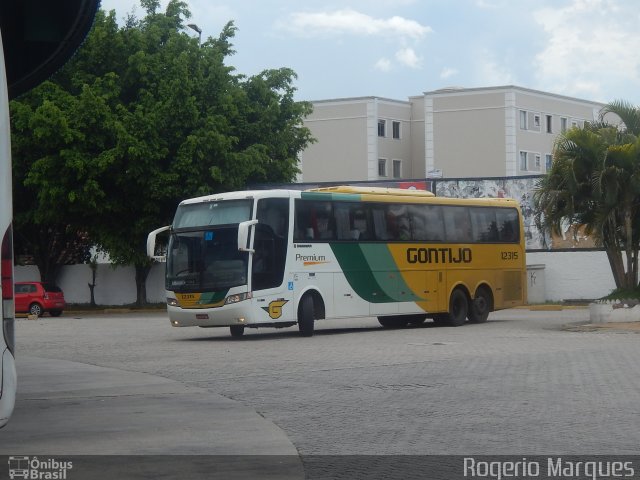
[(276, 258)]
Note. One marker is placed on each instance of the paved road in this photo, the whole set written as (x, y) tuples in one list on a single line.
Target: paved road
[(519, 384)]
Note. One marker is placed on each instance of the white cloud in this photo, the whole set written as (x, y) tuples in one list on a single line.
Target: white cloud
[(589, 42), (448, 72), (349, 21), (490, 72), (408, 57), (383, 64)]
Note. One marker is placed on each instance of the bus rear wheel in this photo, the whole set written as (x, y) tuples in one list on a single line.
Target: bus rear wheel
[(458, 308), (480, 306), (306, 320), (236, 330)]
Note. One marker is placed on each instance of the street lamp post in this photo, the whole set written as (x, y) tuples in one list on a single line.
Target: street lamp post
[(195, 27)]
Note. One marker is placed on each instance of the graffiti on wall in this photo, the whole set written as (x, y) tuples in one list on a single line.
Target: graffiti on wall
[(520, 188)]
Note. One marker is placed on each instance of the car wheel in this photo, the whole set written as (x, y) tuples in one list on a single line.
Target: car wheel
[(35, 309)]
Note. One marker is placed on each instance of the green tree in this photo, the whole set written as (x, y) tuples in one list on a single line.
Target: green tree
[(142, 117), (595, 181)]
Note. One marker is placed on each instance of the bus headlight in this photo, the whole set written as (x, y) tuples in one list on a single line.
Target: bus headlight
[(238, 297), (172, 302)]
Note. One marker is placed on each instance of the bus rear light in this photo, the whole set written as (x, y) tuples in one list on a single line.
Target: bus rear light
[(6, 274), (6, 267)]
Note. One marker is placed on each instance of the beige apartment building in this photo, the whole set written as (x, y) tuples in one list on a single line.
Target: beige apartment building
[(453, 132)]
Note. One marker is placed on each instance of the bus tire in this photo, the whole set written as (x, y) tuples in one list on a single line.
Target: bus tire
[(306, 321), (458, 308), (480, 306), (236, 330)]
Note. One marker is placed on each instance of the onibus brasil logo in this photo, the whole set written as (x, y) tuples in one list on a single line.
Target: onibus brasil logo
[(36, 469)]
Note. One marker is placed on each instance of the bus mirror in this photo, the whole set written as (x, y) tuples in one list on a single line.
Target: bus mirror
[(151, 244), (243, 235)]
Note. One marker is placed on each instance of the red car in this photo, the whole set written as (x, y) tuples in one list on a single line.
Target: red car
[(37, 297)]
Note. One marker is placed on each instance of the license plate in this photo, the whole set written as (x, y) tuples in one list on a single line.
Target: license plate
[(202, 316)]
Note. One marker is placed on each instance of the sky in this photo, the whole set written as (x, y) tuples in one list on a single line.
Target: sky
[(588, 49)]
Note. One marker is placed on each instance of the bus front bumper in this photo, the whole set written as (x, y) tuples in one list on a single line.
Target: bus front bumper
[(225, 316)]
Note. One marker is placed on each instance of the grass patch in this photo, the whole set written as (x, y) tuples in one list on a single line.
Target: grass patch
[(622, 294)]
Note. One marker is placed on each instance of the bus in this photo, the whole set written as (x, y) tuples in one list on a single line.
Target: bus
[(37, 38), (277, 258)]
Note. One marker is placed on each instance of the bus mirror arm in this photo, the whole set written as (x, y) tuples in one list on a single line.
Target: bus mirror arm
[(151, 244), (243, 235)]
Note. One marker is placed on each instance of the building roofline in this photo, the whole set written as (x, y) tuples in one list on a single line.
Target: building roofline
[(358, 99), (453, 90)]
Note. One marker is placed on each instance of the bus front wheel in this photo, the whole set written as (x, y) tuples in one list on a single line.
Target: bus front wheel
[(306, 318), (458, 308), (236, 330)]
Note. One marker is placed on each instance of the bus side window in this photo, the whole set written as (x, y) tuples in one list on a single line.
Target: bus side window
[(483, 222), (380, 223), (343, 224), (508, 224), (457, 225), (426, 223)]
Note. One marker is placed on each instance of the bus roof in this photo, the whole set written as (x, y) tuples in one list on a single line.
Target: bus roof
[(374, 191)]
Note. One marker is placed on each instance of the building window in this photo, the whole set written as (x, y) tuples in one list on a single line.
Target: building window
[(537, 162), (523, 119), (382, 128), (549, 124), (396, 129), (523, 161), (548, 159), (563, 124), (397, 168), (536, 121), (574, 124), (382, 167)]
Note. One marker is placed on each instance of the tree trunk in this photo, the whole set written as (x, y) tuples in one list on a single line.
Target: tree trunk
[(617, 268), (142, 272)]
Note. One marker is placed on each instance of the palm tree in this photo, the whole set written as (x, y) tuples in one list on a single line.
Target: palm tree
[(595, 181)]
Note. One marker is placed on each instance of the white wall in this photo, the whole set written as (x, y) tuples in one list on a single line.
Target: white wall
[(567, 275), (114, 285), (574, 274)]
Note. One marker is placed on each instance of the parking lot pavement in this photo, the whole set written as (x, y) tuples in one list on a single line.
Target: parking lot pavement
[(69, 408)]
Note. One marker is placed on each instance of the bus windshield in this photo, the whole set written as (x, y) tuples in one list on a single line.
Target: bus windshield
[(212, 213), (205, 260)]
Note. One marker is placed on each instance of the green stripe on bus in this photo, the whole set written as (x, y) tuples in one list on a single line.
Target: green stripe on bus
[(386, 272), (358, 273), (326, 197)]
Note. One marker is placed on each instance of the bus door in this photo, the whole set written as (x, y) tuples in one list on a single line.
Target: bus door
[(270, 291)]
